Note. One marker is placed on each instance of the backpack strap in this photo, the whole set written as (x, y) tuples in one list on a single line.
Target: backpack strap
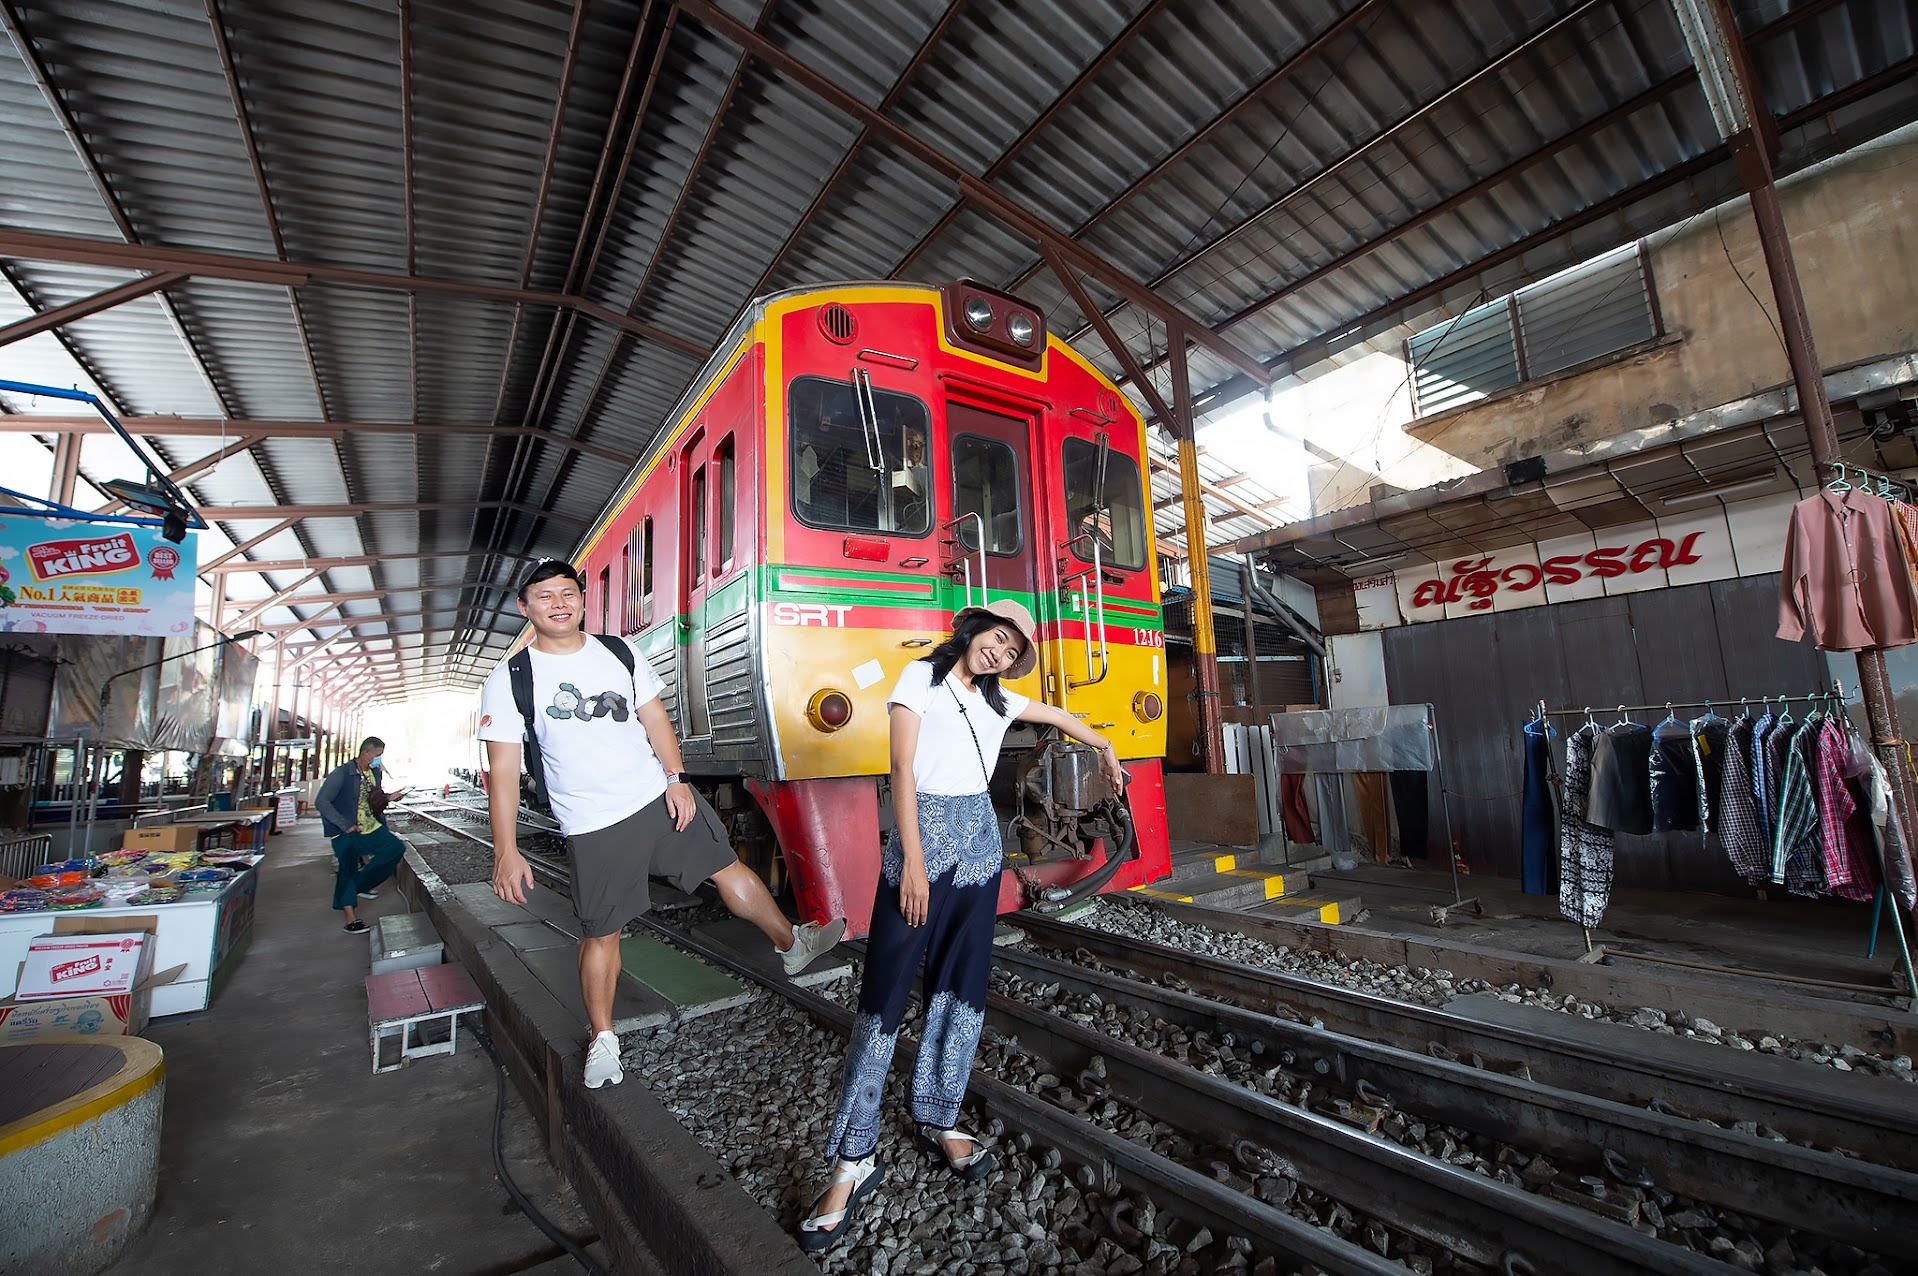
[(519, 673), (619, 647)]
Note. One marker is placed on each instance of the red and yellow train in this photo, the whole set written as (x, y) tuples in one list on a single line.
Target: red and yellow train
[(856, 463)]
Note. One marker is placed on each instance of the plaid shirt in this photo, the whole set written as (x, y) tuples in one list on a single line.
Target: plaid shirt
[(1761, 779), (1849, 871), (1739, 831), (1798, 806)]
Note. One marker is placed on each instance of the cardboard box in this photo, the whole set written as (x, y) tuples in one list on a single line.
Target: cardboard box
[(162, 837), (83, 1013), (76, 965), (96, 1016)]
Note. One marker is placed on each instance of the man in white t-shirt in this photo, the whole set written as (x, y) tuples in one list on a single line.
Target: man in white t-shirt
[(612, 768)]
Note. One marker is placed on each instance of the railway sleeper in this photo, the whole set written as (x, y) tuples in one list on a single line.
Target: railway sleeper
[(1848, 1200), (1479, 1219), (1810, 1112), (1089, 1154)]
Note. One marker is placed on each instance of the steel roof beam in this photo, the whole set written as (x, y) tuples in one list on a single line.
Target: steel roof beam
[(247, 544), (238, 513), (244, 443), (81, 250), (1245, 102), (287, 627), (1112, 50), (329, 564), (1338, 166), (986, 196), (931, 42), (162, 427), (547, 166), (245, 122), (77, 140), (106, 299), (273, 600)]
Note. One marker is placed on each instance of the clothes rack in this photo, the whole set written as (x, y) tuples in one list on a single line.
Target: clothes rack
[(1843, 473), (1833, 699)]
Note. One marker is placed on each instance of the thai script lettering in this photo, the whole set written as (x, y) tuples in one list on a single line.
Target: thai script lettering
[(1476, 579)]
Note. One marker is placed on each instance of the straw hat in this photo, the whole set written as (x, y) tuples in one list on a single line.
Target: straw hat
[(1014, 613)]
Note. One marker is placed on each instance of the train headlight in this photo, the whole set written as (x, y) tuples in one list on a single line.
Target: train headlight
[(1147, 707), (979, 313), (1019, 328), (828, 711)]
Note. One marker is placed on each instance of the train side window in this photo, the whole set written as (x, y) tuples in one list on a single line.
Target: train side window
[(724, 555), (639, 587), (626, 588), (985, 481), (605, 599), (850, 474), (1121, 528), (698, 574)]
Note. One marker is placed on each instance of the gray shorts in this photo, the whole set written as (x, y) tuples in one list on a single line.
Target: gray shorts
[(611, 865)]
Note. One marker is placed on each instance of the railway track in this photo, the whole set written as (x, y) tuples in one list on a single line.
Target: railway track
[(1332, 1128)]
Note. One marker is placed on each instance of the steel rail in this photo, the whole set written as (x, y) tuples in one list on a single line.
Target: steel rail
[(1480, 1218), (1099, 1158), (1878, 1130), (1860, 1203)]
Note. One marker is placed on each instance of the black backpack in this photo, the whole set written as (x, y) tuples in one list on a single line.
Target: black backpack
[(519, 670)]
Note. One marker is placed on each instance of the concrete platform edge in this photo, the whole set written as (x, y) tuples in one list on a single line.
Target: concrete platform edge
[(659, 1199)]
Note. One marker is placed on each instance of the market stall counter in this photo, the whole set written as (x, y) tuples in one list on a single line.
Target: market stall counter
[(206, 933)]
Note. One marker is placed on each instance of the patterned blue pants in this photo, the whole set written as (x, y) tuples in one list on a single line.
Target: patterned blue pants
[(960, 836)]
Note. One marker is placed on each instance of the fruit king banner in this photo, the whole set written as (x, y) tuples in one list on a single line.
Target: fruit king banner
[(59, 577)]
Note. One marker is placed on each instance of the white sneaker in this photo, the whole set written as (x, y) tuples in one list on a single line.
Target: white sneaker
[(809, 941), (602, 1062)]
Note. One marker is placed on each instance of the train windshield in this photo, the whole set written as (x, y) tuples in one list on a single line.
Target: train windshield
[(859, 470), (1120, 524)]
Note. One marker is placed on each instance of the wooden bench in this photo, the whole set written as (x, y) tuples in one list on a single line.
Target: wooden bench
[(408, 1000)]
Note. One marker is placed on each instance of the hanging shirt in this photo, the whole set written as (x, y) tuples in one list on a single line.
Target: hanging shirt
[(1900, 878), (1622, 779), (1584, 849), (1740, 832), (1708, 756), (1777, 756), (1846, 584), (1760, 778), (1674, 778), (1793, 853), (1848, 874)]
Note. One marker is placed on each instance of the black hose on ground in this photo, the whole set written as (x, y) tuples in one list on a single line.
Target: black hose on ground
[(526, 1207)]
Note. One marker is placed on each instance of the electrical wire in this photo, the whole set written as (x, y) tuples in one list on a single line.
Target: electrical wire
[(1718, 220), (526, 1207)]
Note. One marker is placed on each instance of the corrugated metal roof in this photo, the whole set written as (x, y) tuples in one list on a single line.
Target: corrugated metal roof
[(1309, 195)]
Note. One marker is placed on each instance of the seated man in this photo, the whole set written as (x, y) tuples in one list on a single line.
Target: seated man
[(348, 817)]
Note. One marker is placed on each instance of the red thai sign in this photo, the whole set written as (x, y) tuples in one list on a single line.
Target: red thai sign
[(1475, 579), (90, 556)]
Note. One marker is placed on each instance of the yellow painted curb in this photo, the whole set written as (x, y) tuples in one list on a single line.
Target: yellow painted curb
[(1146, 890), (1224, 863), (143, 1066)]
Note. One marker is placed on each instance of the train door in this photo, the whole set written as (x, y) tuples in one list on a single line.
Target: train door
[(695, 506), (992, 503)]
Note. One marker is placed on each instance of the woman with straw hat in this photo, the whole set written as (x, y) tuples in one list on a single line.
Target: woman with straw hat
[(938, 895)]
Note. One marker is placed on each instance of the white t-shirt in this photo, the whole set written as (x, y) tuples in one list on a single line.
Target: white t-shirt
[(600, 767), (946, 762)]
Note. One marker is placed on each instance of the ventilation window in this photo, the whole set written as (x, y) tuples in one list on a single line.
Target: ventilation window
[(838, 324)]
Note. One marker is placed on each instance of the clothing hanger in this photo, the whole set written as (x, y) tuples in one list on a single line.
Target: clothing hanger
[(1838, 483)]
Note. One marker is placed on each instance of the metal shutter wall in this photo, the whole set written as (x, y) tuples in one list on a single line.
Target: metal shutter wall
[(1586, 312), (1464, 359)]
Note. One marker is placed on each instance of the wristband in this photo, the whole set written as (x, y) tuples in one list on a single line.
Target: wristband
[(672, 777)]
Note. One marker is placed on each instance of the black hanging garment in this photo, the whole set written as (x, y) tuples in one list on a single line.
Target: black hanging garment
[(1621, 779), (1674, 778)]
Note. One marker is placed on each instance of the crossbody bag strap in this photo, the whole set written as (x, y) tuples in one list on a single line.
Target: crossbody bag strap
[(967, 719)]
